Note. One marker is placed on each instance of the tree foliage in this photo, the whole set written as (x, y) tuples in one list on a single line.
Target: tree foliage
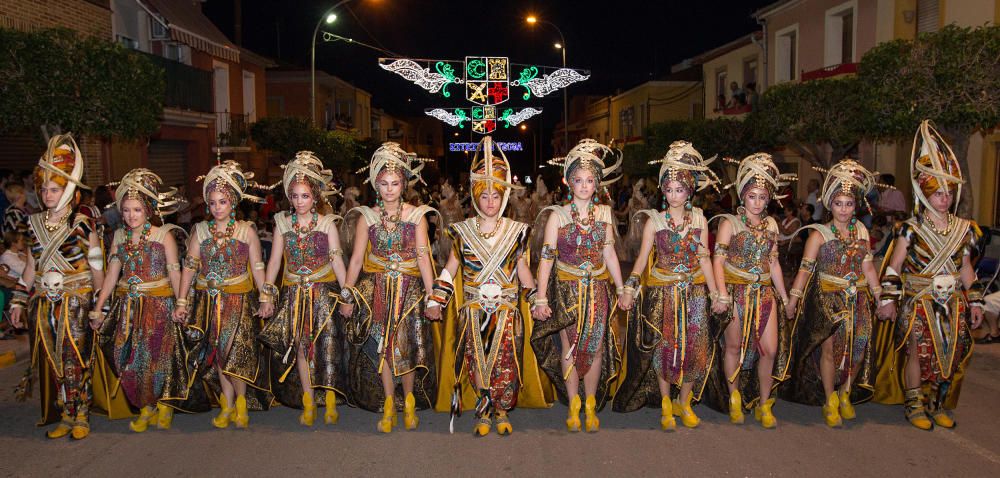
[(337, 149), (54, 80)]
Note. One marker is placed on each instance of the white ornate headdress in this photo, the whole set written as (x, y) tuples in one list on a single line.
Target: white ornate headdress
[(484, 164), (847, 178), (759, 171), (306, 167), (684, 163), (144, 185), (229, 173), (391, 157), (941, 165), (590, 154), (61, 148)]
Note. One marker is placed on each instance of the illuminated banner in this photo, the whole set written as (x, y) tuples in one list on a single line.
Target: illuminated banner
[(511, 146)]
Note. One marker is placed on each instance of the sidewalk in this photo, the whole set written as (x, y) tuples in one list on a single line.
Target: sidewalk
[(13, 351)]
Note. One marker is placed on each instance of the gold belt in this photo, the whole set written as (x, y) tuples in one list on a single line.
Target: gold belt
[(565, 271), (662, 277), (832, 283), (324, 274), (240, 284), (157, 288), (735, 275), (375, 263)]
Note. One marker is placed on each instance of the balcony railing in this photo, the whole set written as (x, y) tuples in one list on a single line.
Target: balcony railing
[(187, 88), (830, 71), (233, 129)]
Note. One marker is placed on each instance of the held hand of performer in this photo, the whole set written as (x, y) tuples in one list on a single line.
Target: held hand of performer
[(346, 310), (719, 307), (180, 313), (887, 311), (791, 306), (96, 320), (432, 313), (977, 317), (266, 310), (15, 317), (625, 301), (541, 312)]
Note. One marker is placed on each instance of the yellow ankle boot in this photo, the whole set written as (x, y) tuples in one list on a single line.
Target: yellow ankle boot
[(573, 416), (62, 429), (590, 421), (410, 420), (676, 406), (225, 413), (831, 411), (331, 416), (736, 407), (81, 427), (308, 410), (688, 418), (915, 411), (242, 419), (503, 424), (388, 415), (164, 416), (667, 421), (140, 424), (846, 407), (483, 425), (764, 415)]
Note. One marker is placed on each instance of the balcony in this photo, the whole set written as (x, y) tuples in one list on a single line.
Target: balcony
[(187, 88), (830, 71), (232, 131), (737, 110)]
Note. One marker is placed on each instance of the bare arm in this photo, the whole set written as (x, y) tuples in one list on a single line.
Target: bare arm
[(706, 263), (723, 236), (358, 254), (777, 277), (640, 263), (170, 250), (95, 242), (802, 276), (424, 257), (256, 257), (187, 275), (337, 259), (523, 273), (545, 265)]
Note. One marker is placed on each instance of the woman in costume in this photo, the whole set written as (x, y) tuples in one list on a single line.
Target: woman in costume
[(66, 265), (305, 339), (669, 339), (573, 339), (389, 277), (750, 285), (222, 264), (929, 276), (486, 271), (838, 287), (137, 331)]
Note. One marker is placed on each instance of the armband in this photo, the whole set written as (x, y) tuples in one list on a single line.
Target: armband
[(721, 248), (868, 258), (530, 295), (808, 265), (181, 302), (548, 252), (346, 295), (336, 252), (797, 293), (421, 251), (174, 266), (268, 293), (95, 257), (19, 298), (610, 241), (192, 263), (258, 266), (443, 289), (974, 295), (892, 286)]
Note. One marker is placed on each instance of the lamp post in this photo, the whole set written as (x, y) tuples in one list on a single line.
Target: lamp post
[(328, 17), (532, 20)]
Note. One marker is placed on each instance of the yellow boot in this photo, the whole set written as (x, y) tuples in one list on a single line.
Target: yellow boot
[(308, 410), (225, 413), (81, 427), (736, 407), (677, 409), (164, 416), (831, 411), (573, 417), (483, 425), (388, 415), (667, 421), (331, 416), (242, 419), (410, 420), (140, 424), (942, 418), (846, 407), (914, 409), (590, 421), (62, 429), (503, 424), (764, 415), (688, 418)]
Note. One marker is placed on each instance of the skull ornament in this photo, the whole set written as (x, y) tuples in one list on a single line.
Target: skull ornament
[(490, 295), (52, 285), (943, 288)]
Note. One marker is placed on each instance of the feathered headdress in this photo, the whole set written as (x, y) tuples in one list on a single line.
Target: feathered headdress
[(759, 171), (306, 167), (847, 178), (62, 148), (144, 185), (229, 173), (391, 157), (684, 163), (933, 166), (590, 154)]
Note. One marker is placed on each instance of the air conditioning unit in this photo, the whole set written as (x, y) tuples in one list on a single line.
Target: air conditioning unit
[(159, 31)]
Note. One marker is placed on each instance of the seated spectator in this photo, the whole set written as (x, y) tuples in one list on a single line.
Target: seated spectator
[(737, 96), (891, 200), (15, 218), (12, 263), (988, 332)]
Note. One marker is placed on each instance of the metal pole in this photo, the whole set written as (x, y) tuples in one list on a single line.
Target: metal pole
[(312, 63), (565, 103)]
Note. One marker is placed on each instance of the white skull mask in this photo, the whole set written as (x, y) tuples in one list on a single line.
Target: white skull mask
[(943, 288), (490, 295), (52, 285)]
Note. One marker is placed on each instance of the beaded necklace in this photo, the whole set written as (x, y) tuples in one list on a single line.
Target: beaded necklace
[(947, 230), (298, 241), (389, 236), (488, 235), (758, 232), (848, 242), (133, 253), (221, 248), (584, 224), (675, 231), (52, 227)]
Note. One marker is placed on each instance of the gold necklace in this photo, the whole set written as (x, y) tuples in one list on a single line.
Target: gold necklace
[(947, 230), (59, 222), (488, 235)]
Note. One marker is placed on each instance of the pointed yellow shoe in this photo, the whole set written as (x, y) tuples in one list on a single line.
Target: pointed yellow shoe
[(141, 424), (225, 414), (331, 416), (688, 418), (676, 406), (410, 419), (242, 418), (164, 416), (764, 415), (831, 411), (308, 410), (81, 427), (62, 429), (667, 421), (943, 419), (914, 410), (504, 427), (483, 426), (736, 408), (573, 417), (846, 407), (590, 421), (388, 419)]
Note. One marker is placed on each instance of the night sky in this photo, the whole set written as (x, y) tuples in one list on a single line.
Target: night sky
[(623, 43)]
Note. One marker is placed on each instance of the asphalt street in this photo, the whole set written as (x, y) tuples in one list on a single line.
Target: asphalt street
[(878, 443)]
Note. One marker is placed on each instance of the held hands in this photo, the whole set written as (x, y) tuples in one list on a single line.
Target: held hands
[(791, 306), (15, 317), (977, 317), (719, 307), (433, 313), (541, 312), (346, 310), (96, 319), (181, 314), (266, 310), (887, 311), (626, 301)]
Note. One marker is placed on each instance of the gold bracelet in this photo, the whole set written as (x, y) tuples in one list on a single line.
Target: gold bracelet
[(176, 266), (539, 302), (258, 266), (797, 293), (181, 302)]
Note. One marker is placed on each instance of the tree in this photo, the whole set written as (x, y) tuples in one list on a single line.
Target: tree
[(951, 76), (338, 150), (54, 80)]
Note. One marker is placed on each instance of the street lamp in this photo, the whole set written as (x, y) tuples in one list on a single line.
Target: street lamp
[(532, 20), (328, 17)]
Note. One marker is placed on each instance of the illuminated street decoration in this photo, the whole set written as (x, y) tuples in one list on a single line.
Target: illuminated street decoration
[(454, 119), (484, 119), (504, 146), (547, 84)]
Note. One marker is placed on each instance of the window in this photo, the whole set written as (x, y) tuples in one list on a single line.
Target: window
[(839, 43), (249, 96), (786, 54), (174, 51), (626, 120), (928, 16), (749, 71), (128, 42), (720, 89)]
